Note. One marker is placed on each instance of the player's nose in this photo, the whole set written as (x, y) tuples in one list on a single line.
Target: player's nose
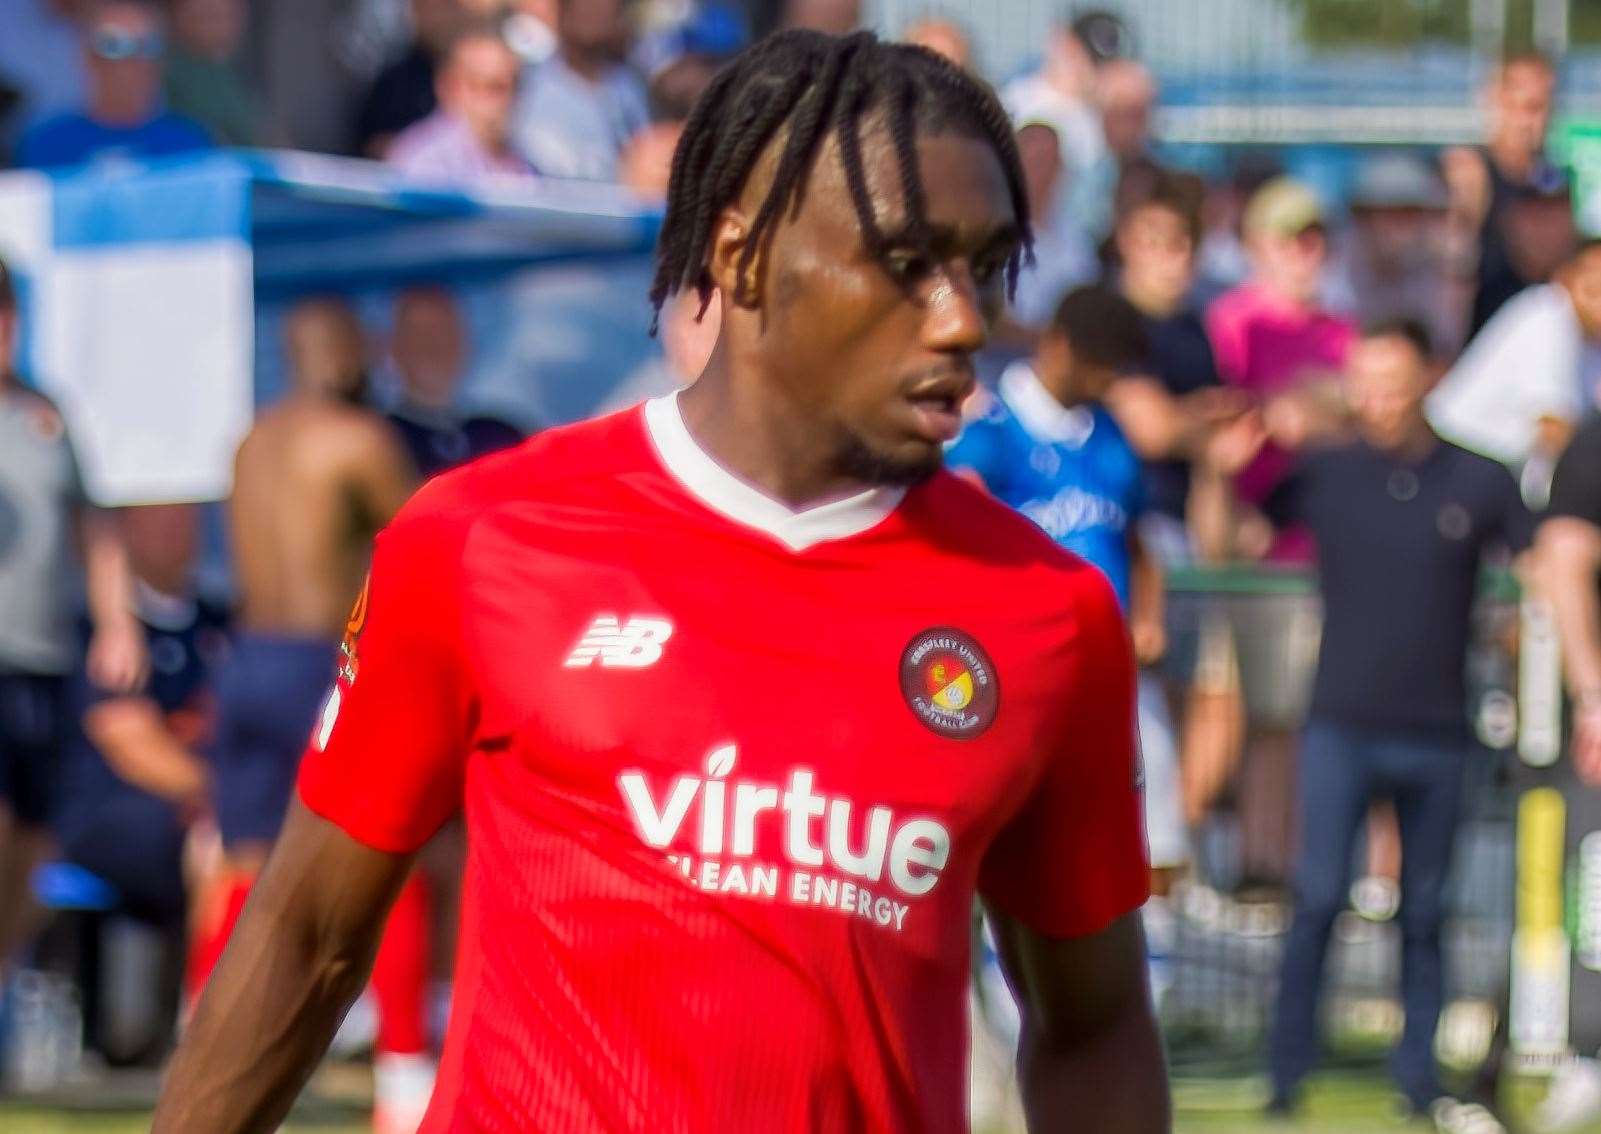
[(954, 321)]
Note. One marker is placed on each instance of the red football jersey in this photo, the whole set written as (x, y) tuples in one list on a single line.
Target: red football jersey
[(732, 776)]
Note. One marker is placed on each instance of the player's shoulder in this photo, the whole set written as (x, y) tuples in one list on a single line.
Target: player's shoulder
[(590, 451), (1001, 548)]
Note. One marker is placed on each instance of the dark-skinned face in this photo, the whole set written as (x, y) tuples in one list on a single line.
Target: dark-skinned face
[(875, 356)]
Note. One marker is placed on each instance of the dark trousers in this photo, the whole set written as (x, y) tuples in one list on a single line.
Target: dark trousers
[(1342, 770)]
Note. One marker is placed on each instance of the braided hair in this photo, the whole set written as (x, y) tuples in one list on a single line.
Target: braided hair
[(815, 84)]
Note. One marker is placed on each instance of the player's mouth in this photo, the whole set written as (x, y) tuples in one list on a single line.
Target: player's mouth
[(937, 406)]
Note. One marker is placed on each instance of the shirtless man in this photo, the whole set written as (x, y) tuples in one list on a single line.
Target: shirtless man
[(315, 479)]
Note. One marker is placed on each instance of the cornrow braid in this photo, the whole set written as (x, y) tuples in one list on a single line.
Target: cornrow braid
[(810, 85)]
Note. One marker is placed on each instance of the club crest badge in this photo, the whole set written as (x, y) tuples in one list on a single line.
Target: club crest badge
[(949, 683)]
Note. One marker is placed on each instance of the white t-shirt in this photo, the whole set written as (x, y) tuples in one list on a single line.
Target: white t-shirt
[(1529, 362)]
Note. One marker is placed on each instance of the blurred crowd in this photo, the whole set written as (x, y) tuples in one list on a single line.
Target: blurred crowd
[(1193, 370)]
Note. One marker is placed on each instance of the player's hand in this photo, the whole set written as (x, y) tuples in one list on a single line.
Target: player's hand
[(1149, 638), (118, 661), (1587, 742)]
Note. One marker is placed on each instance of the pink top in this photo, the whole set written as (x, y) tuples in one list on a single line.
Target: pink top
[(442, 148), (1266, 344)]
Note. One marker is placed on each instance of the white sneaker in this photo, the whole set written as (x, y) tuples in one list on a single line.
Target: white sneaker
[(401, 1088), (1453, 1117), (1573, 1099), (1375, 898)]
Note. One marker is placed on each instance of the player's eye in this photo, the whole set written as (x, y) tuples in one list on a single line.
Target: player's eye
[(987, 269), (908, 264)]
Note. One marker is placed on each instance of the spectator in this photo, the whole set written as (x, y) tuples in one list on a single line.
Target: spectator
[(1064, 93), (1273, 339), (943, 36), (1403, 523), (1568, 551), (202, 79), (1167, 408), (405, 91), (41, 65), (1532, 373), (1488, 184), (1569, 548), (133, 776), (467, 138), (123, 45), (1395, 257), (580, 107), (43, 511), (678, 62), (1063, 257), (429, 350), (836, 17)]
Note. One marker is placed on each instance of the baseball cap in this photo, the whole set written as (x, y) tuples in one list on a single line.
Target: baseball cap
[(1397, 181), (1282, 207)]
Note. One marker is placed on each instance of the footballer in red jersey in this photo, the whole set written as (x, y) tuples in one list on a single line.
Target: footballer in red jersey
[(745, 699)]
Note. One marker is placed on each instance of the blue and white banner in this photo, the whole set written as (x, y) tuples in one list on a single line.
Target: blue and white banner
[(145, 290)]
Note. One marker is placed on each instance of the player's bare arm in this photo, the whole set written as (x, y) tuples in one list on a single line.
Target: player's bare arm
[(300, 955), (1090, 1056)]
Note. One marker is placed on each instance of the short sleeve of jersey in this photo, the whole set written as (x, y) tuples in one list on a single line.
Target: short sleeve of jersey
[(1074, 858), (1576, 486), (386, 759)]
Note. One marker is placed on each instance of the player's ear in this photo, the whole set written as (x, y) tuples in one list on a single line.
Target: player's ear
[(730, 238)]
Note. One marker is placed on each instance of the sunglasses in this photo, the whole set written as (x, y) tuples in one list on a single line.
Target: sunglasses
[(115, 45)]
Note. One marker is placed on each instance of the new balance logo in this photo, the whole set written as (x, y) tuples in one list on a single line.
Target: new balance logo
[(634, 644)]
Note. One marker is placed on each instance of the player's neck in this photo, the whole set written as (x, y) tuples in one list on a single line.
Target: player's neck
[(761, 439)]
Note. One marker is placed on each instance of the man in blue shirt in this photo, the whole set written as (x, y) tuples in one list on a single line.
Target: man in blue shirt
[(123, 46), (1044, 443)]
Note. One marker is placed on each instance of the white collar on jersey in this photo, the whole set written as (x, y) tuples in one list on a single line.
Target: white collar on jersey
[(722, 491), (1044, 418)]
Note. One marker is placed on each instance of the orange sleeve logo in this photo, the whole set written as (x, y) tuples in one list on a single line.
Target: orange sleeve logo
[(353, 628)]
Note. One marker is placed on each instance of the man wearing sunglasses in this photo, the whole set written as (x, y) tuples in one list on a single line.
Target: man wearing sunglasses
[(123, 118)]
